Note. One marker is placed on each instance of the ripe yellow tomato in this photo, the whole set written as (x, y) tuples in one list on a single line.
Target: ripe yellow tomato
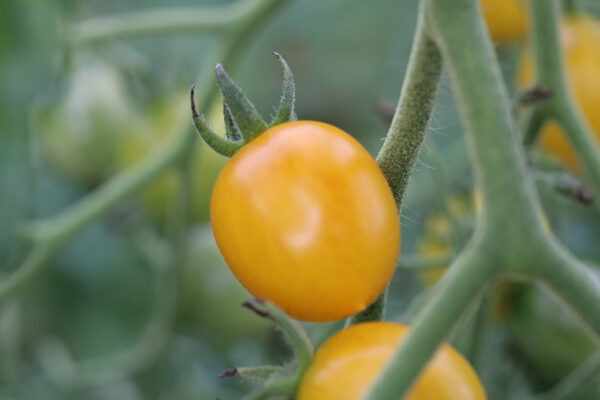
[(305, 218), (506, 19), (347, 364), (580, 38)]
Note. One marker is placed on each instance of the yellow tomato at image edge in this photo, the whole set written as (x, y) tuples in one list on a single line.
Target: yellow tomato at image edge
[(305, 219), (347, 364), (506, 19), (580, 38)]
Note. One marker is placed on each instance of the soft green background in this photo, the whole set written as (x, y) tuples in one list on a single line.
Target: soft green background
[(94, 299)]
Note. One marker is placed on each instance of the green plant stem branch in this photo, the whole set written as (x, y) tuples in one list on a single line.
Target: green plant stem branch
[(463, 282), (161, 20), (550, 72), (576, 380), (572, 281), (300, 342), (406, 134), (531, 125), (51, 234), (508, 200)]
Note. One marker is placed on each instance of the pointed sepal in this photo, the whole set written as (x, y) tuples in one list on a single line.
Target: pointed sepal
[(245, 115), (231, 129), (285, 110), (219, 144)]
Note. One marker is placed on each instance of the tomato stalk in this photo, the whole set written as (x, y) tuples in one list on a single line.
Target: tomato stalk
[(509, 203), (400, 151), (550, 72), (279, 381)]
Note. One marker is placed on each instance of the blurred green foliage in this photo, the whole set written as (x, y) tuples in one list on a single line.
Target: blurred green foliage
[(100, 295)]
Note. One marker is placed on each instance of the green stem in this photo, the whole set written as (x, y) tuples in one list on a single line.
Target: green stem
[(459, 287), (550, 72), (496, 155), (508, 210), (575, 380), (197, 19), (572, 281), (406, 134)]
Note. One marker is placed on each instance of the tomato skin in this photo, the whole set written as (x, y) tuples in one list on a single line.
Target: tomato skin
[(305, 218), (506, 19), (580, 39), (345, 366)]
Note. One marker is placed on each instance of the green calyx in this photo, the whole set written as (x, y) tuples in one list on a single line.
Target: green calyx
[(242, 121), (276, 381)]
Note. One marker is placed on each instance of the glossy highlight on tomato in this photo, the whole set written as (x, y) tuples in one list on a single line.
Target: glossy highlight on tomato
[(347, 364), (580, 39), (305, 219)]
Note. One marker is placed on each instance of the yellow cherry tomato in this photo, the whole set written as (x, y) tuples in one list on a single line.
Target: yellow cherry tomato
[(506, 19), (580, 39), (347, 364), (305, 218)]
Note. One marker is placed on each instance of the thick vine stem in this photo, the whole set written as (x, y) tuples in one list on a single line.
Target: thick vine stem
[(579, 378), (462, 284), (499, 167), (406, 134), (51, 234), (550, 72)]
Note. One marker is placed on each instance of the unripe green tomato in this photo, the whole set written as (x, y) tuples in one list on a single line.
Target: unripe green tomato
[(79, 133), (210, 296), (163, 119)]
